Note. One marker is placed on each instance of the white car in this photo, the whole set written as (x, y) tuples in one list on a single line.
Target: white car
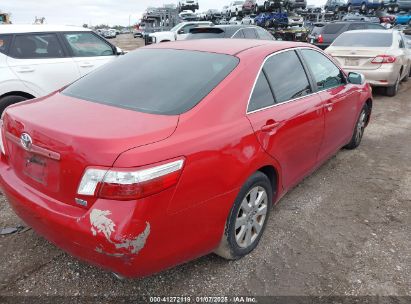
[(234, 21), (235, 8), (188, 5), (179, 32), (36, 60)]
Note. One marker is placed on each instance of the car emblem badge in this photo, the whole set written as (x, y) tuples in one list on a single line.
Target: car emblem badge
[(26, 141)]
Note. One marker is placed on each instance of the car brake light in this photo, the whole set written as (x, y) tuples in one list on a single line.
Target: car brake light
[(320, 39), (128, 184), (383, 59)]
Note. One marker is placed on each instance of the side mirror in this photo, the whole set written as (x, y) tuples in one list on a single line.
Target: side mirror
[(119, 51), (180, 32), (356, 78)]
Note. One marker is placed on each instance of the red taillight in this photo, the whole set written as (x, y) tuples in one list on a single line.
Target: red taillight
[(320, 39), (138, 190), (130, 184), (383, 59)]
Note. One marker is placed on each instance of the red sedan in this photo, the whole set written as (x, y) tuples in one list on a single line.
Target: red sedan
[(177, 150)]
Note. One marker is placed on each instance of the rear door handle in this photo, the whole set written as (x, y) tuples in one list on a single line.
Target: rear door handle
[(270, 125), (86, 65), (25, 69)]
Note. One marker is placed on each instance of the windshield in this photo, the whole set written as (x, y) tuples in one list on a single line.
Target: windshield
[(175, 29), (156, 81), (364, 39)]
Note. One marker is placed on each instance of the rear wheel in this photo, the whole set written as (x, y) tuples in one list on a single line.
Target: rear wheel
[(359, 129), (349, 8), (9, 100), (247, 219), (391, 91), (363, 7)]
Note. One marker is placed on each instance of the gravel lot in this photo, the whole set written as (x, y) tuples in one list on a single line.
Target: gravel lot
[(345, 230)]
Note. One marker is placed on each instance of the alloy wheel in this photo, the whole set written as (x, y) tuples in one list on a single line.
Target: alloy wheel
[(251, 217), (360, 126)]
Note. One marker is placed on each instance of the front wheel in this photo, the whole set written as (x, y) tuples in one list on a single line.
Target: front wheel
[(247, 219), (359, 129), (349, 8), (363, 7)]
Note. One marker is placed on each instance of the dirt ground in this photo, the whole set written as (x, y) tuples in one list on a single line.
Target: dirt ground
[(345, 230)]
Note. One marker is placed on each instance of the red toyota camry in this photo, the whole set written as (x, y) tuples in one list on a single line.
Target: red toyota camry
[(177, 150)]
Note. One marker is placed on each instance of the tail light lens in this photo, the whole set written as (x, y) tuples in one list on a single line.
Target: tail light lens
[(320, 39), (124, 184), (383, 59)]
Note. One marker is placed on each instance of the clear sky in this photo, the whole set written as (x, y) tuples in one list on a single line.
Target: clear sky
[(78, 12)]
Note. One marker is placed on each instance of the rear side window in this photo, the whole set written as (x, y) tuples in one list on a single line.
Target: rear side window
[(263, 34), (157, 81), (326, 74), (287, 76), (5, 41), (364, 39), (262, 96), (87, 45), (333, 28), (36, 46), (249, 33)]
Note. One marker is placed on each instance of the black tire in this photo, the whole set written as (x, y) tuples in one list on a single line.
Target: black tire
[(359, 129), (391, 91), (266, 8), (363, 7), (256, 9), (229, 247), (349, 8), (9, 100), (336, 9), (395, 9), (407, 75)]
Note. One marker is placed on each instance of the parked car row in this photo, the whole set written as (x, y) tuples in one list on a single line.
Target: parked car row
[(366, 5)]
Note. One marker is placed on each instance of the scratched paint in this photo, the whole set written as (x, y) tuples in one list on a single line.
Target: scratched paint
[(136, 244), (101, 223)]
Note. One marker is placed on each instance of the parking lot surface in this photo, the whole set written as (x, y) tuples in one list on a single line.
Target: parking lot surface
[(345, 230)]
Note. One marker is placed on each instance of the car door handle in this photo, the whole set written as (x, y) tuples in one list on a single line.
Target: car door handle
[(270, 125), (86, 65), (25, 69)]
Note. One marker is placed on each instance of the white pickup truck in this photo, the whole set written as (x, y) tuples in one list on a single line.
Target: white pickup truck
[(179, 32)]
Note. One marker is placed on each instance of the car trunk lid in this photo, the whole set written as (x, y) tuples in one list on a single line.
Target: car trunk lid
[(67, 135), (358, 58)]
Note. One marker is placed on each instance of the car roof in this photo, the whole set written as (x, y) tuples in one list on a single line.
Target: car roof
[(225, 46), (37, 28)]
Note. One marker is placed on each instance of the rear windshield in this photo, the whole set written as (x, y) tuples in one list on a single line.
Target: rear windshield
[(364, 39), (204, 33), (333, 28), (318, 29), (156, 81)]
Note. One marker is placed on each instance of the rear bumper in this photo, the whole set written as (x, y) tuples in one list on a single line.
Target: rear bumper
[(131, 238), (381, 77)]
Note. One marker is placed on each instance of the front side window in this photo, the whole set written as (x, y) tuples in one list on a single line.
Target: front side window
[(326, 73), (262, 96), (33, 46), (156, 81), (5, 41), (286, 76), (87, 45), (239, 35)]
